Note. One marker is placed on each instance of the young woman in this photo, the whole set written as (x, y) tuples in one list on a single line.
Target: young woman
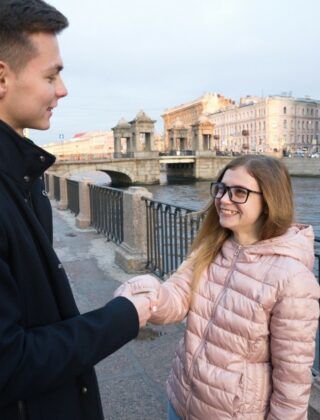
[(250, 299)]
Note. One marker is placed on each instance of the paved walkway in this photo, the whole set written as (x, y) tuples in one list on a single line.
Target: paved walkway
[(132, 381)]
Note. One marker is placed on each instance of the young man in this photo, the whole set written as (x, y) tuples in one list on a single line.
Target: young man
[(47, 349)]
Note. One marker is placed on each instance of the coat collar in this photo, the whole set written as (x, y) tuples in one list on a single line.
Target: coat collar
[(20, 158)]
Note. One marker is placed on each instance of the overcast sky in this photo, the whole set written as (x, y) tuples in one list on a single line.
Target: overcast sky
[(121, 56)]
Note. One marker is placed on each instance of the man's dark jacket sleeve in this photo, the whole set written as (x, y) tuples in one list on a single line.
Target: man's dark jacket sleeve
[(38, 359)]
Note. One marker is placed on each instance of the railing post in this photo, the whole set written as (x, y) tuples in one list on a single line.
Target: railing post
[(131, 255), (51, 186), (84, 216), (63, 203), (314, 401)]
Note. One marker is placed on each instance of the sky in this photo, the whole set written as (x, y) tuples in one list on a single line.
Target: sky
[(121, 56)]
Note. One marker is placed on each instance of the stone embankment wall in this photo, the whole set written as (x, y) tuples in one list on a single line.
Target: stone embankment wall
[(303, 166), (207, 167)]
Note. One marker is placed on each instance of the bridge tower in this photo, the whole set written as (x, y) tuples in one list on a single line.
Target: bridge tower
[(178, 137), (138, 135), (122, 131), (203, 136), (142, 135)]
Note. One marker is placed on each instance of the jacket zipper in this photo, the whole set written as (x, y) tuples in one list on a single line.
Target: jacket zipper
[(200, 347), (21, 410)]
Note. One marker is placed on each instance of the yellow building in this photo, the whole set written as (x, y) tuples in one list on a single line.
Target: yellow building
[(182, 117)]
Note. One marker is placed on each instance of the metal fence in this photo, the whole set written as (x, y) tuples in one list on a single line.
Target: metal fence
[(73, 196), (56, 184), (316, 366), (107, 211), (170, 231)]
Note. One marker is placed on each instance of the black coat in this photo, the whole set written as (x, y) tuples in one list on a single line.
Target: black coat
[(47, 349)]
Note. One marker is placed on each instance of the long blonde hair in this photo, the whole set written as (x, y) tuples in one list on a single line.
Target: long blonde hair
[(275, 184)]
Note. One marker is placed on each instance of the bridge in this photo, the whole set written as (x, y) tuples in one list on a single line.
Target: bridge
[(144, 169), (141, 163)]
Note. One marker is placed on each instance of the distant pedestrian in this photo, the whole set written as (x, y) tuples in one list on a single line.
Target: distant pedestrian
[(47, 349), (251, 302)]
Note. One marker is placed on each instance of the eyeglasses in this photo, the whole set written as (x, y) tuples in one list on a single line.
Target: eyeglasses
[(238, 195)]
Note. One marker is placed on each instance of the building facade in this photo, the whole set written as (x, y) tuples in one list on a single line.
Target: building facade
[(178, 121), (275, 124), (93, 143)]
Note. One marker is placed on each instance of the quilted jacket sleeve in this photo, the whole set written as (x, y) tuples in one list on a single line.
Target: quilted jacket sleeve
[(293, 328), (174, 297)]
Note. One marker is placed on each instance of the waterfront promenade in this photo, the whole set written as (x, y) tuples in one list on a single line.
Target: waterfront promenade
[(132, 381)]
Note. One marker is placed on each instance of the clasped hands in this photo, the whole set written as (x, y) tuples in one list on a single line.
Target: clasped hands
[(143, 292)]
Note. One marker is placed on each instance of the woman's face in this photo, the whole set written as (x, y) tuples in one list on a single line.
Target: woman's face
[(244, 220)]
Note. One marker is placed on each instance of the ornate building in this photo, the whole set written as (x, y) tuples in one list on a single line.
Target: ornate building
[(274, 124), (185, 124)]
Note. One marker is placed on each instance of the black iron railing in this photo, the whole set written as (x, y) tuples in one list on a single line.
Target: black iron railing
[(107, 211), (46, 182), (170, 232), (316, 366), (119, 155), (56, 187), (178, 153), (73, 196)]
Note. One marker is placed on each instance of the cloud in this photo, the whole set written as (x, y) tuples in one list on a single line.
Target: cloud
[(121, 56)]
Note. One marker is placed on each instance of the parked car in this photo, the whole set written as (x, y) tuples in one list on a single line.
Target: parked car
[(315, 155)]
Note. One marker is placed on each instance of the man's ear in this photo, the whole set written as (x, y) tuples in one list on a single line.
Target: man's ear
[(3, 78)]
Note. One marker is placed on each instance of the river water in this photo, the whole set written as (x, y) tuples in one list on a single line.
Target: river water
[(195, 196)]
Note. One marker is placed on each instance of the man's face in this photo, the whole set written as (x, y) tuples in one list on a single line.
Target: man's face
[(33, 92)]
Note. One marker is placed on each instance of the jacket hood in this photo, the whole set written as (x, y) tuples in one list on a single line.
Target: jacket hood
[(297, 243)]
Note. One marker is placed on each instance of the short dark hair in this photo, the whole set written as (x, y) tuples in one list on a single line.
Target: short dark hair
[(18, 20)]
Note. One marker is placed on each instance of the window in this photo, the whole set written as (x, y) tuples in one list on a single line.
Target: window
[(284, 109), (302, 111), (284, 123), (302, 124), (311, 111)]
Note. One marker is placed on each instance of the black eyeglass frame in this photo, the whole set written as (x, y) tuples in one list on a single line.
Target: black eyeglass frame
[(228, 189)]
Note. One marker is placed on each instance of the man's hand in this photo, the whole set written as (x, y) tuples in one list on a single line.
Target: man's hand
[(143, 292)]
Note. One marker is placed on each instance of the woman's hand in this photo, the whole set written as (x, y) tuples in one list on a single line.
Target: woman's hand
[(140, 284), (143, 292)]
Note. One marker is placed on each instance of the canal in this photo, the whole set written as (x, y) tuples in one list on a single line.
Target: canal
[(195, 196)]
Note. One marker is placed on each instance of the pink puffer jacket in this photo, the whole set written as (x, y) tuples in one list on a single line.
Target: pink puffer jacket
[(250, 338)]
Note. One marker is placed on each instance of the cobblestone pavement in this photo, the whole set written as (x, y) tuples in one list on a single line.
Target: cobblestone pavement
[(132, 380)]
